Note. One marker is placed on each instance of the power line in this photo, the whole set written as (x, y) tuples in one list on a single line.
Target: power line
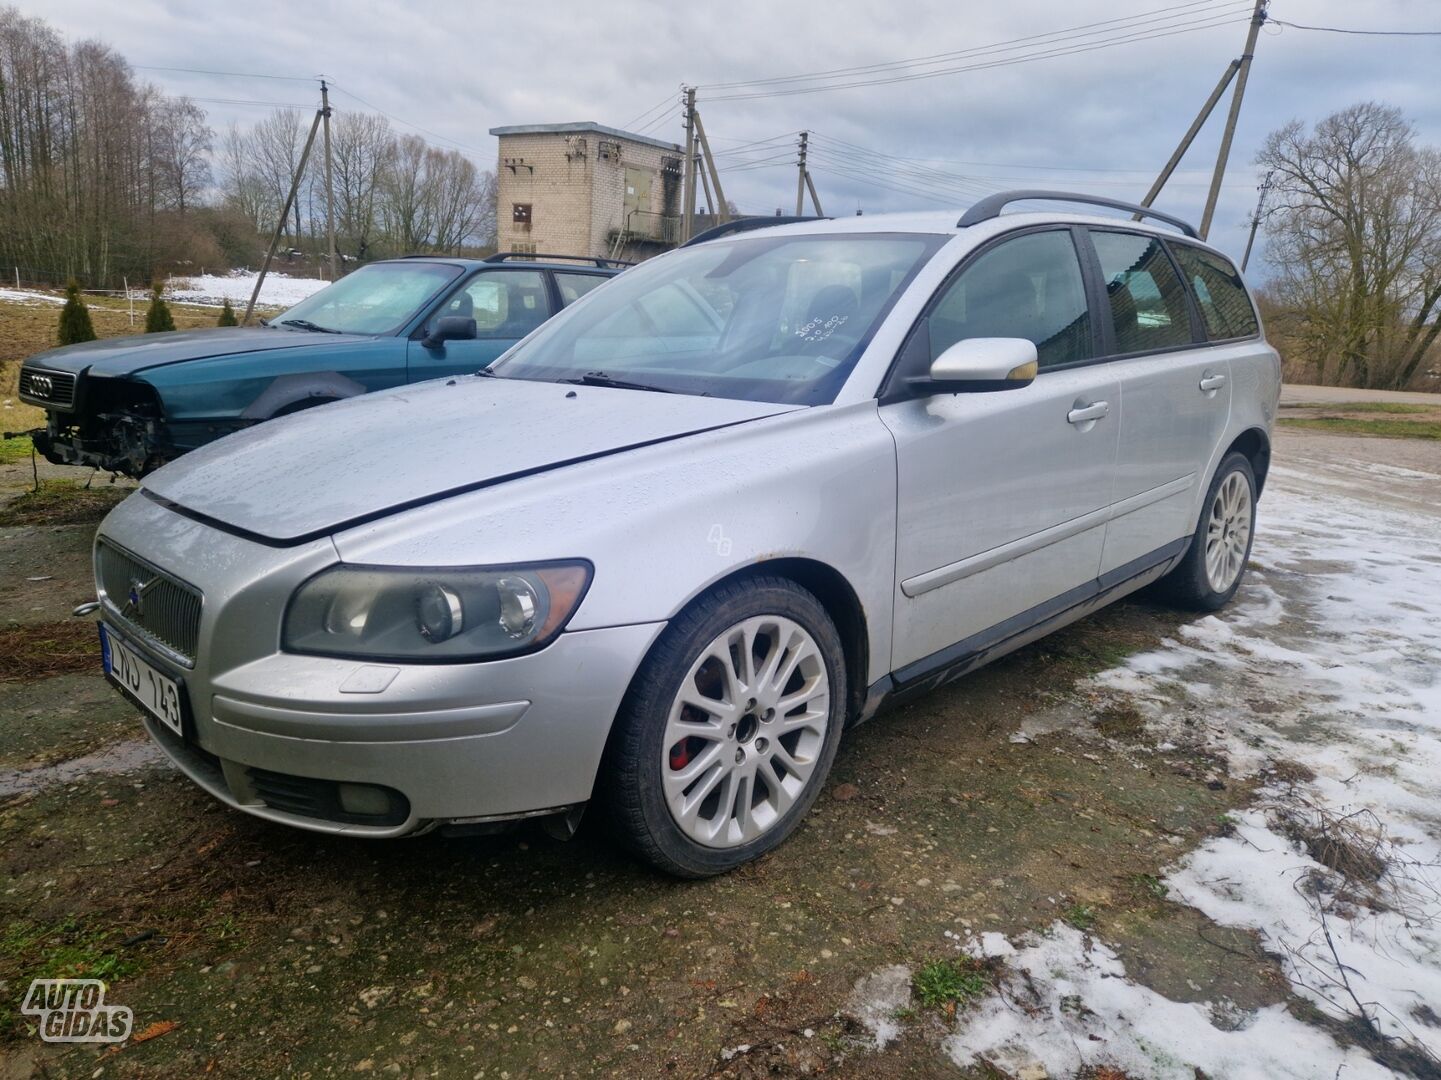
[(245, 101), (228, 74), (661, 120), (1052, 41), (1154, 33), (1368, 33), (854, 155), (935, 58), (877, 169), (668, 99), (408, 124)]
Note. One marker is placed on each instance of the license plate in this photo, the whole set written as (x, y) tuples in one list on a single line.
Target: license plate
[(153, 690)]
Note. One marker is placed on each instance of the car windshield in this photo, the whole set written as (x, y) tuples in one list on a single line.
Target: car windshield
[(376, 299), (760, 318)]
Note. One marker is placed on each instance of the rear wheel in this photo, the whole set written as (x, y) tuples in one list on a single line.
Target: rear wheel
[(1215, 564), (729, 729)]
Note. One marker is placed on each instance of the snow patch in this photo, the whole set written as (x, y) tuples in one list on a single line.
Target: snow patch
[(877, 998), (1342, 677), (29, 297), (1064, 1005), (212, 290)]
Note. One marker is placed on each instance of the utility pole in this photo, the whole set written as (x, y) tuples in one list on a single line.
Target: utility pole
[(815, 200), (687, 227), (280, 222), (722, 212), (801, 172), (804, 183), (1258, 18), (1264, 189), (1190, 136), (329, 181), (705, 189)]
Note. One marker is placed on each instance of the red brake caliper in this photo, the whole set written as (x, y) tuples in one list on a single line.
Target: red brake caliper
[(680, 754)]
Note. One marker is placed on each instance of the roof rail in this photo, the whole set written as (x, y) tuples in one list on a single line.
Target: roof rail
[(991, 206), (530, 256), (746, 224)]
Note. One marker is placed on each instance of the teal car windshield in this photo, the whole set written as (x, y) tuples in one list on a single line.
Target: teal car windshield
[(376, 299), (779, 319)]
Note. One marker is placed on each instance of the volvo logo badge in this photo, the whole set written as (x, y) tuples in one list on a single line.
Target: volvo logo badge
[(135, 598)]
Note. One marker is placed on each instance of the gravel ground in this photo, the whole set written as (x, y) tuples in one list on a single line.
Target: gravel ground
[(1030, 796)]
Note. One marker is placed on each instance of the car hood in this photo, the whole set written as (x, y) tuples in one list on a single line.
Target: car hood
[(136, 352), (306, 475)]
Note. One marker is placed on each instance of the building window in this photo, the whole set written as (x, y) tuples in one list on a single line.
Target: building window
[(523, 247), (520, 213)]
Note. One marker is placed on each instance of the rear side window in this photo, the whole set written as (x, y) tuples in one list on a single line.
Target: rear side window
[(574, 286), (1225, 308), (1148, 302), (1029, 287)]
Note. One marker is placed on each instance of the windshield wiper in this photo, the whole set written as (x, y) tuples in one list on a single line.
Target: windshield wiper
[(306, 324), (600, 378)]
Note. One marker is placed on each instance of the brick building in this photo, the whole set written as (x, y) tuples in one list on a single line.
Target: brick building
[(586, 189)]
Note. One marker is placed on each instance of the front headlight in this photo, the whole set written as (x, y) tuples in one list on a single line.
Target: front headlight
[(448, 614)]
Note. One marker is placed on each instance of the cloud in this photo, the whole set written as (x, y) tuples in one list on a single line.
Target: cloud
[(457, 68)]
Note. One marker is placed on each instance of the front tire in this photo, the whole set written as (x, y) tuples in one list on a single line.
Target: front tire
[(729, 728), (1215, 563)]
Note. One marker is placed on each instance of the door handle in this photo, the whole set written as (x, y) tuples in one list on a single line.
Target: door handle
[(1211, 382), (1085, 413)]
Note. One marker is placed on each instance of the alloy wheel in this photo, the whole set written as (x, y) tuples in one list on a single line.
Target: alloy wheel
[(745, 731), (1228, 532)]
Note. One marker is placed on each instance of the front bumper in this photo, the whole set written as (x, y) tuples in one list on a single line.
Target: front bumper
[(531, 744), (458, 742), (128, 445)]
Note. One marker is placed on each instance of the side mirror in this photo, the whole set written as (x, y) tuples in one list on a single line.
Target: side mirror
[(981, 365), (449, 328)]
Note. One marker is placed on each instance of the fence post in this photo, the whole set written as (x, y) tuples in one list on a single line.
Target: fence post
[(129, 299)]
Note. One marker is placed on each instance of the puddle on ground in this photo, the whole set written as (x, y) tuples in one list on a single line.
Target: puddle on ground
[(115, 759)]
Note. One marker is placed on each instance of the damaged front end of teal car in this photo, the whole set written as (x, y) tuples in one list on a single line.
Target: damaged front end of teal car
[(130, 404)]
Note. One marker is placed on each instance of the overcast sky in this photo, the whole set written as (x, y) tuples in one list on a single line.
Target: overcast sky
[(456, 69)]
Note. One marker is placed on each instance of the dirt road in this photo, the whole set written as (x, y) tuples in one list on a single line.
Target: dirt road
[(1016, 822)]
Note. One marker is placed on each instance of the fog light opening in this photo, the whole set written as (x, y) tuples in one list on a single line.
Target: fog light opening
[(364, 799)]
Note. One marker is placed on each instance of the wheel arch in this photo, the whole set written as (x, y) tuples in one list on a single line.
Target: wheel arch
[(287, 391), (1256, 445), (830, 587), (834, 593)]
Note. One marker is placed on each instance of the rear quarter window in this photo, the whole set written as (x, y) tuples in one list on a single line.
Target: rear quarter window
[(1220, 294), (1148, 303)]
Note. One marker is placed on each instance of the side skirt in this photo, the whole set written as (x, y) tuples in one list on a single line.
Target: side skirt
[(965, 656)]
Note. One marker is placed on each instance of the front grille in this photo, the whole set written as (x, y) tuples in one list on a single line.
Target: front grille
[(49, 389), (149, 602), (308, 797)]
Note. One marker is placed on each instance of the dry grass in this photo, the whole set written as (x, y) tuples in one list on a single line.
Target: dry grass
[(1390, 429), (1351, 845), (40, 650), (61, 502), (26, 329)]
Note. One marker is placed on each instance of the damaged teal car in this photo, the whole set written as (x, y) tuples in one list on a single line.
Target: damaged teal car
[(130, 404)]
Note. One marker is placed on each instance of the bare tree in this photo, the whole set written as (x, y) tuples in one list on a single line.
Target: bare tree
[(406, 206), (275, 146), (363, 151), (241, 187), (182, 153), (1355, 236)]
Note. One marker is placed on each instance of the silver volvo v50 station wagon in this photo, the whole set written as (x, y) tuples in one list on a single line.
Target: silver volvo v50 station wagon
[(670, 546)]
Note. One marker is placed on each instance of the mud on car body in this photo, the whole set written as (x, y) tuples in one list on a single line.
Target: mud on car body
[(131, 404)]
